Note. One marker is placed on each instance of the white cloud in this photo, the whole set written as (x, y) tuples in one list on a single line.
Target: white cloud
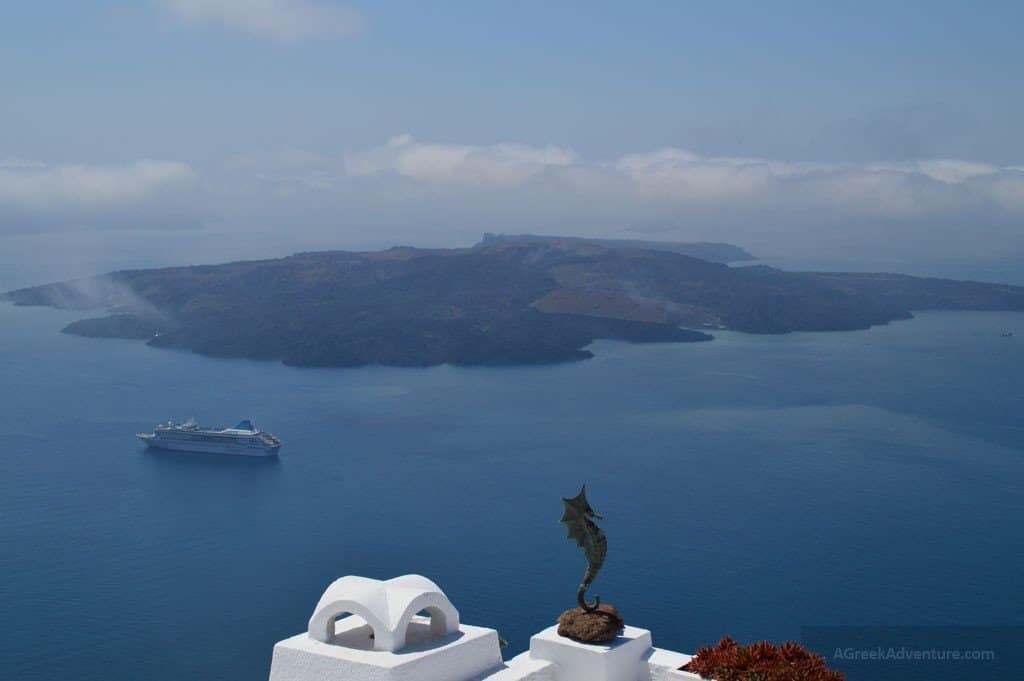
[(952, 171), (1007, 189), (429, 193), (33, 192), (499, 165), (283, 20), (37, 186), (682, 178), (893, 189), (683, 175)]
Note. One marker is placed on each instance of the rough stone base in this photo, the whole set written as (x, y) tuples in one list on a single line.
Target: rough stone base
[(595, 626)]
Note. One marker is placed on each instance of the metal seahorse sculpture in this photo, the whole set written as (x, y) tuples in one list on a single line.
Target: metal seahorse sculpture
[(577, 517)]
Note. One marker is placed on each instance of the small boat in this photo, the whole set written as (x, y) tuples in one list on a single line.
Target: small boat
[(1007, 334), (245, 439)]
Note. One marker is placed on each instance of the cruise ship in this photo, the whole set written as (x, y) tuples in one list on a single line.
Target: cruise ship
[(245, 439)]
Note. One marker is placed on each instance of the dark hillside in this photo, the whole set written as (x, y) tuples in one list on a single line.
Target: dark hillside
[(506, 303)]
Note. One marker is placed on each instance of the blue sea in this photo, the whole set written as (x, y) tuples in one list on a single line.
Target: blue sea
[(751, 486)]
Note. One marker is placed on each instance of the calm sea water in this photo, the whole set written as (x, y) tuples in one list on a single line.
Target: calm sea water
[(750, 486)]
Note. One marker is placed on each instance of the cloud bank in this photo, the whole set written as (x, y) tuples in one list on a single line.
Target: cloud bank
[(433, 193), (34, 194), (499, 165), (688, 180), (281, 20)]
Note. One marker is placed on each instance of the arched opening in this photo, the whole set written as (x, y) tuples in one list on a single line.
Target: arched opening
[(438, 620), (426, 626), (364, 614), (350, 630)]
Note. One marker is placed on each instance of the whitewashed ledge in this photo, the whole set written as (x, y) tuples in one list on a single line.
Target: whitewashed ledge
[(406, 629)]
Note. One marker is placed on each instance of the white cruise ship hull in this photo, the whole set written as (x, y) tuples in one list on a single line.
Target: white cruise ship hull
[(207, 447)]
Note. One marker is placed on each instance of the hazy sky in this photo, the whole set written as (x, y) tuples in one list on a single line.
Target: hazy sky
[(830, 130)]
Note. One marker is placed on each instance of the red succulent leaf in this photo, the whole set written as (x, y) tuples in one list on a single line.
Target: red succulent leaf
[(760, 661)]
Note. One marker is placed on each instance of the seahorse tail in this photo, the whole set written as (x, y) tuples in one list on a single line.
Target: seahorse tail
[(581, 598), (581, 594)]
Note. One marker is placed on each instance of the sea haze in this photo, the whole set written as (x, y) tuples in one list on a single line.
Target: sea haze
[(751, 485)]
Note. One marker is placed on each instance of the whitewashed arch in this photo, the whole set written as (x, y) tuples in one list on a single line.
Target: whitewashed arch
[(387, 607)]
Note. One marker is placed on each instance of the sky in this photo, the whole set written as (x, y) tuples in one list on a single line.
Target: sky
[(178, 131)]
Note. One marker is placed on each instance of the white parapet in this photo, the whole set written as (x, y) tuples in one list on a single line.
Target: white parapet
[(624, 658), (664, 665), (628, 657), (370, 630), (469, 653), (387, 607), (522, 668), (406, 629)]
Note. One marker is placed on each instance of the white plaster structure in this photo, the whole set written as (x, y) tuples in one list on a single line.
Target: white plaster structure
[(387, 607), (406, 629)]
